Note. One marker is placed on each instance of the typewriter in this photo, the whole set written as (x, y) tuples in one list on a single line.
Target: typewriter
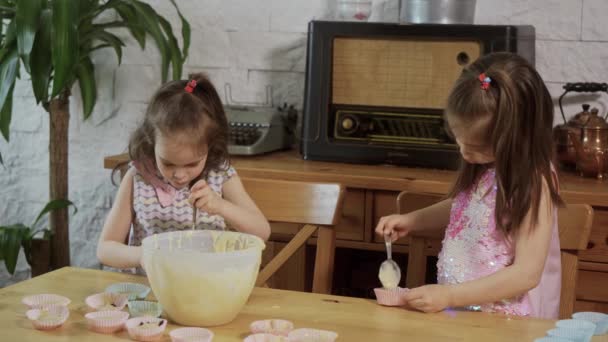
[(257, 130)]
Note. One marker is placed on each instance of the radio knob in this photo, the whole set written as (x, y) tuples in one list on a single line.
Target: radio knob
[(348, 124)]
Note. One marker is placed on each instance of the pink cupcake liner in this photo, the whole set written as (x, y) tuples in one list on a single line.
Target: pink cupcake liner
[(106, 322), (391, 297), (191, 335), (107, 301), (272, 326), (312, 335), (43, 300), (266, 338), (49, 317), (146, 328)]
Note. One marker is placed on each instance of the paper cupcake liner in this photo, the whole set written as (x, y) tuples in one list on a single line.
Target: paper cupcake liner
[(191, 335), (132, 290), (146, 328), (390, 297), (106, 322), (577, 324), (597, 318), (266, 338), (48, 318), (551, 339), (140, 308), (570, 334), (312, 335), (107, 301), (43, 300), (272, 326)]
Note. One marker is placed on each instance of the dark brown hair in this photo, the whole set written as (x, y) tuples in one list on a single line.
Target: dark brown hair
[(173, 110), (519, 131)]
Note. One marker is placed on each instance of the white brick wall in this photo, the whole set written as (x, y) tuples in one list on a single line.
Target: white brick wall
[(250, 44)]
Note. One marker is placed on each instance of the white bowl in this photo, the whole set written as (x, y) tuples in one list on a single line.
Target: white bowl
[(191, 335), (202, 278)]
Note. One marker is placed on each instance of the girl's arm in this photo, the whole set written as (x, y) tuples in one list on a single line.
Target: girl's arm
[(433, 217), (241, 212), (531, 249), (111, 249)]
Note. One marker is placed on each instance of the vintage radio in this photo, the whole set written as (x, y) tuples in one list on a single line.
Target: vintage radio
[(375, 91)]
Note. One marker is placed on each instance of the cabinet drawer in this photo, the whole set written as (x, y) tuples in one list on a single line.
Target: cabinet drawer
[(591, 285), (351, 225)]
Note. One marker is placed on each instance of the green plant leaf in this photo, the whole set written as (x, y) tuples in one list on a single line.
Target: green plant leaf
[(41, 63), (11, 33), (149, 19), (11, 243), (88, 88), (176, 57), (2, 243), (5, 114), (106, 37), (27, 18), (54, 205), (8, 72), (64, 43), (86, 7), (129, 16), (186, 32)]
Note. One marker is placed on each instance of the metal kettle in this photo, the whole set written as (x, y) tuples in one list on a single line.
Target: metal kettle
[(583, 140)]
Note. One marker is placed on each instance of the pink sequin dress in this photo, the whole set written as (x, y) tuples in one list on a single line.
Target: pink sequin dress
[(473, 248)]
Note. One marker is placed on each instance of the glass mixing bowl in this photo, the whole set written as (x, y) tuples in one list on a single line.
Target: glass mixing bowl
[(202, 277)]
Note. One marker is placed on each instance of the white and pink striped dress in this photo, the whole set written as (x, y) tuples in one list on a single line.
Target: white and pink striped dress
[(158, 207)]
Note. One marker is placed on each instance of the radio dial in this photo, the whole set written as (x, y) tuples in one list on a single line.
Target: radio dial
[(348, 124)]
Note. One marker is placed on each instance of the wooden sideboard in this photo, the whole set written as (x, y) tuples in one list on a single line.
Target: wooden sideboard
[(371, 193)]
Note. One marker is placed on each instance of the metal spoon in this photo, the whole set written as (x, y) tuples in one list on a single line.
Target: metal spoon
[(194, 217), (389, 273)]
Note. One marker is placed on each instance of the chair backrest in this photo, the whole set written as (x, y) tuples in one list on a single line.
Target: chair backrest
[(417, 250), (316, 206), (574, 224), (296, 202)]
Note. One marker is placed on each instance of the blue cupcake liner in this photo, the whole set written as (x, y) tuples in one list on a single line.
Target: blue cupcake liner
[(133, 290)]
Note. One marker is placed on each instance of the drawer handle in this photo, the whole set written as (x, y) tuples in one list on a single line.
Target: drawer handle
[(590, 245)]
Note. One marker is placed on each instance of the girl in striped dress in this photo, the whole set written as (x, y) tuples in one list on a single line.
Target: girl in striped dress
[(179, 160)]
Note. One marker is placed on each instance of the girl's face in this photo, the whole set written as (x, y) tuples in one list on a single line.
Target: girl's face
[(470, 140), (179, 162)]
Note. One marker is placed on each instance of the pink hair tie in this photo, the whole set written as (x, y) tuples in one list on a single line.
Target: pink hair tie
[(485, 81), (190, 86)]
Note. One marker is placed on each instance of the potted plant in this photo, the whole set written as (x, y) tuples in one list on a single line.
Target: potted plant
[(35, 247), (53, 41)]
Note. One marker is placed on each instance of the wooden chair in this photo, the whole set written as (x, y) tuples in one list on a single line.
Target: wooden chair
[(316, 206), (419, 243), (574, 223)]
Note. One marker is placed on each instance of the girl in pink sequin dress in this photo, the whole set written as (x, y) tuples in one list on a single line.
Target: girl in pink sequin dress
[(179, 160), (500, 252)]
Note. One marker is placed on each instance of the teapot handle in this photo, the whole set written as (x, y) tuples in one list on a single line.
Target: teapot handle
[(581, 87)]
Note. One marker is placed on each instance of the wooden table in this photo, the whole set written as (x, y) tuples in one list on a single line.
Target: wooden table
[(354, 319)]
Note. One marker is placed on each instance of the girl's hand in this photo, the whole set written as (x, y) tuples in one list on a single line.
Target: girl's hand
[(396, 226), (429, 298), (204, 198)]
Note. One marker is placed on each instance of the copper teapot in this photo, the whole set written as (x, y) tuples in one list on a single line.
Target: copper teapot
[(583, 141)]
